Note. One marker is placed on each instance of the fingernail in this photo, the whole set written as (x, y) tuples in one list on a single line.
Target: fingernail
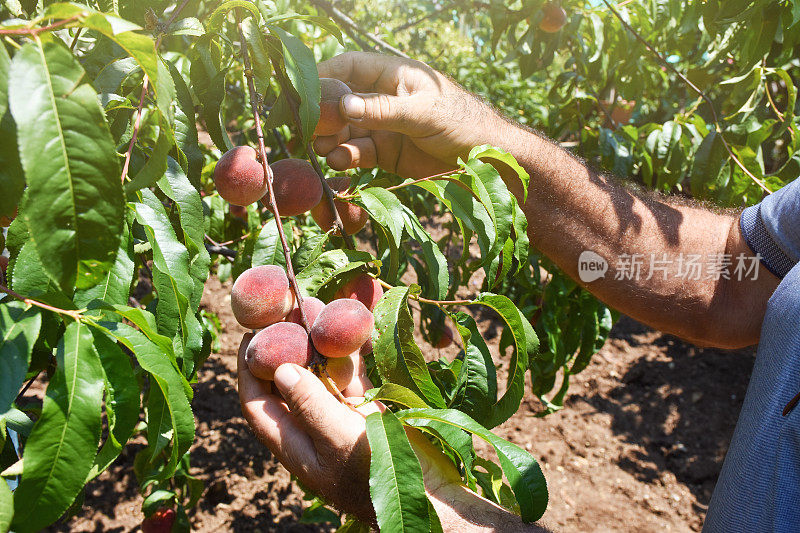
[(354, 106), (286, 377)]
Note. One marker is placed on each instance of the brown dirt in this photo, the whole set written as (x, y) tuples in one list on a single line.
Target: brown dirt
[(637, 447)]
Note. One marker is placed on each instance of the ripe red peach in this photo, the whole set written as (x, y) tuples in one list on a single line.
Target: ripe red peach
[(239, 176), (284, 342), (159, 522), (363, 288), (353, 217), (445, 339), (296, 185), (554, 18), (261, 296), (331, 120), (312, 306), (342, 327)]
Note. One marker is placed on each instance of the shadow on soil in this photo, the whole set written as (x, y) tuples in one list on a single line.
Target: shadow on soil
[(679, 402)]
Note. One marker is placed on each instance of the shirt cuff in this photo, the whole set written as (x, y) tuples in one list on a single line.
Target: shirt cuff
[(761, 242)]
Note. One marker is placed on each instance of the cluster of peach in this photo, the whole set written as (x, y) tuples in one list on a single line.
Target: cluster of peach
[(239, 175), (341, 330)]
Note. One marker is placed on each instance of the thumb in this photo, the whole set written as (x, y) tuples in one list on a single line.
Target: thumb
[(380, 112), (308, 400)]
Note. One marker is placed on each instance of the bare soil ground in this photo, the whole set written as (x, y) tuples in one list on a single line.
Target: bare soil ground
[(637, 447)]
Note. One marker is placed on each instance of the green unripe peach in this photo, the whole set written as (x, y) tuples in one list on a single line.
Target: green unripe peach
[(261, 296), (239, 176), (296, 185), (284, 342), (331, 120), (342, 327), (353, 217)]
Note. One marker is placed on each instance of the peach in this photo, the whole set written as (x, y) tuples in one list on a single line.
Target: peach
[(331, 120), (554, 18), (296, 185), (341, 370), (366, 348), (445, 339), (239, 176), (342, 327), (261, 296), (353, 217), (284, 342), (363, 288), (312, 306)]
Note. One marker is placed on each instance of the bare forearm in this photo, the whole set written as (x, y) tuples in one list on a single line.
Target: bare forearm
[(462, 511), (572, 209)]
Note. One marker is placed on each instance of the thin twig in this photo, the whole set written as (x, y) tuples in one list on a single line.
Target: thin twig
[(37, 31), (26, 387), (75, 39), (696, 89), (221, 250), (437, 303), (75, 315)]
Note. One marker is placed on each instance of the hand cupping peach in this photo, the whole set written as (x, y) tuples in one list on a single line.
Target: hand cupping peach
[(262, 298)]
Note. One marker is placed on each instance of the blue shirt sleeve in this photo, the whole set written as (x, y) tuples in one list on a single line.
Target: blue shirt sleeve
[(772, 229)]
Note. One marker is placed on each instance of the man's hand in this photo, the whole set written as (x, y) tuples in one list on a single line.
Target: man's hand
[(320, 440), (404, 117), (324, 443)]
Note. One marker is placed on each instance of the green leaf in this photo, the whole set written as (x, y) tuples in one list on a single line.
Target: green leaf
[(392, 392), (171, 278), (62, 446), (187, 26), (397, 356), (169, 382), (268, 249), (395, 477), (386, 210), (19, 328), (115, 288), (70, 161), (186, 128), (323, 22), (121, 402), (520, 468), (709, 161), (476, 389), (189, 205), (12, 179), (490, 152), (509, 403), (208, 83), (310, 249), (328, 266), (468, 211), (217, 18), (439, 278), (154, 168), (301, 68), (6, 506)]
